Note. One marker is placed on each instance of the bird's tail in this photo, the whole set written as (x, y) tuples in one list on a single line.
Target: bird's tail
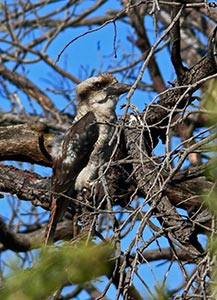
[(58, 209)]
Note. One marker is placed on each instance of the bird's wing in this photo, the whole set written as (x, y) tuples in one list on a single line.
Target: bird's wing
[(76, 148)]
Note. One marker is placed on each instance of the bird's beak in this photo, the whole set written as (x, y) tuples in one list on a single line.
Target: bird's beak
[(117, 89)]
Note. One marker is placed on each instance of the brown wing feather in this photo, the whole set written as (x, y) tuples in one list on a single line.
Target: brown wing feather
[(77, 146)]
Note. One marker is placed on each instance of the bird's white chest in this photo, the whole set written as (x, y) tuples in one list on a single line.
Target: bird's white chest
[(100, 156)]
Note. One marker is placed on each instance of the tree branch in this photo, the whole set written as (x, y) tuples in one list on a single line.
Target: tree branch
[(29, 88), (25, 185), (26, 142)]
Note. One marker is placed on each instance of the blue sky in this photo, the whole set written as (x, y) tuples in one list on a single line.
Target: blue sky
[(94, 53)]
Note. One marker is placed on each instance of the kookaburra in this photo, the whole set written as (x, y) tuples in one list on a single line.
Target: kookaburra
[(87, 144)]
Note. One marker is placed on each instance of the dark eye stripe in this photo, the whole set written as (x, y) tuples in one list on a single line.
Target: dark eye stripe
[(83, 95), (98, 85)]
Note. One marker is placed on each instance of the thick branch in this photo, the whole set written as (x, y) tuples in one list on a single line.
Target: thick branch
[(31, 238), (176, 47), (25, 185), (11, 240), (184, 191), (158, 113), (165, 253), (27, 142)]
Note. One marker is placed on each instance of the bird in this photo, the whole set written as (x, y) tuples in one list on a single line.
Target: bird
[(86, 145)]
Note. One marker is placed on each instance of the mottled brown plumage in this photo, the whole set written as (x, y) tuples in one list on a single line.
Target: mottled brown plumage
[(86, 145)]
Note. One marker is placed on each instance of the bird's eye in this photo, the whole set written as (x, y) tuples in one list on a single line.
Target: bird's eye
[(98, 85)]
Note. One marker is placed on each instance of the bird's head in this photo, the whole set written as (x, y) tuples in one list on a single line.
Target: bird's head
[(99, 94)]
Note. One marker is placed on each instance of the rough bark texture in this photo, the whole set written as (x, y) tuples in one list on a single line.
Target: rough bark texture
[(150, 204)]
